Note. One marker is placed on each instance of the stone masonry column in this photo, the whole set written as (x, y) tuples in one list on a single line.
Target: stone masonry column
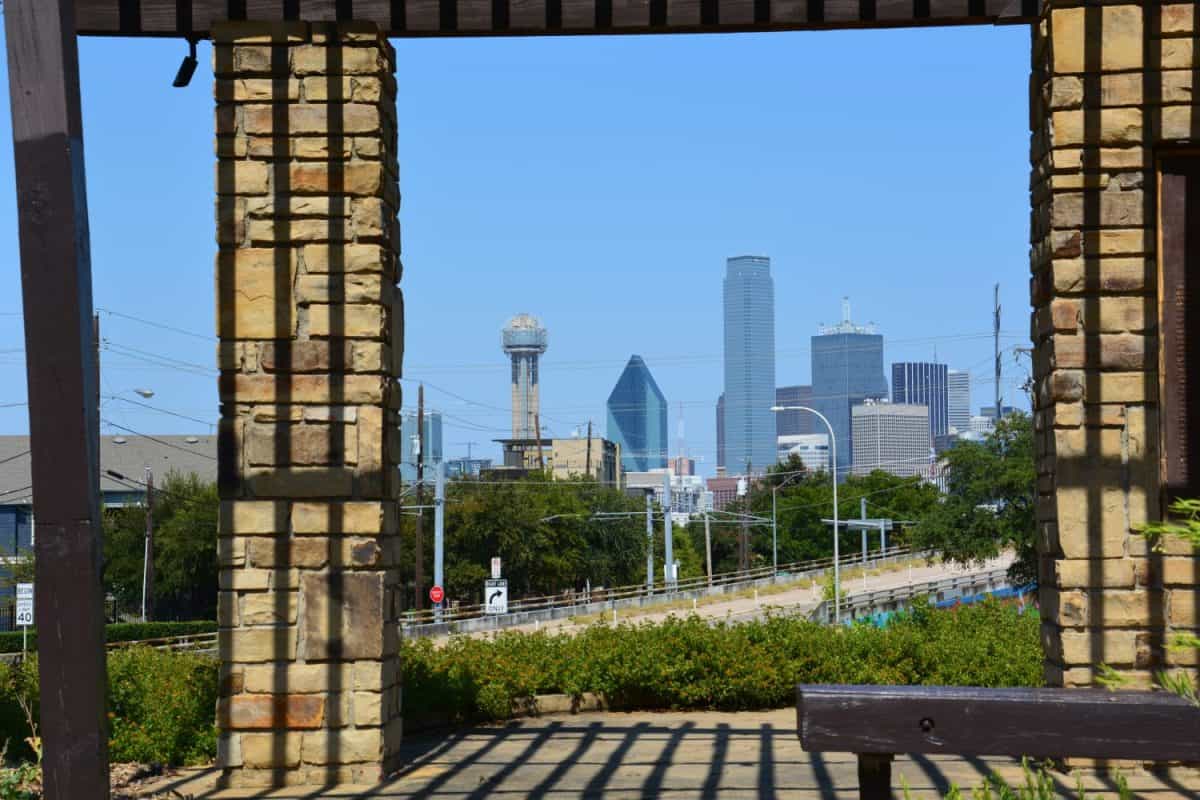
[(1112, 87), (310, 324)]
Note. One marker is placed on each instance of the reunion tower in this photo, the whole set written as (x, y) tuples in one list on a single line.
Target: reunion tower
[(524, 339)]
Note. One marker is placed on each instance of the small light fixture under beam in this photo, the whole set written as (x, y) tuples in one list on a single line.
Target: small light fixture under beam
[(188, 68)]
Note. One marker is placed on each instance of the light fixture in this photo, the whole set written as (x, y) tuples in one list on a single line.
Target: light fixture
[(146, 393), (187, 68)]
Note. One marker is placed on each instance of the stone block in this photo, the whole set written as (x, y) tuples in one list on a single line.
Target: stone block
[(1184, 608), (342, 746), (1113, 647), (306, 356), (1078, 275), (318, 60), (339, 119), (1122, 89), (1176, 53), (348, 258), (1180, 571), (1125, 387), (371, 357), (371, 442), (241, 177), (1092, 521), (1107, 351), (231, 551), (254, 294), (1071, 159), (1176, 86), (1112, 33), (250, 645), (362, 178), (1094, 573), (367, 709), (1177, 18), (262, 90), (354, 89), (1179, 122), (271, 711), (1108, 208), (328, 678), (322, 148), (311, 389), (343, 615), (268, 608), (227, 610), (340, 288), (266, 231), (346, 321), (297, 206), (301, 482), (267, 750), (309, 445), (370, 219), (331, 414), (1116, 126)]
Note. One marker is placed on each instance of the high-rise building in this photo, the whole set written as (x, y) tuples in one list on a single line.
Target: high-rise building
[(637, 418), (958, 399), (924, 384), (524, 340), (793, 423), (749, 295), (811, 448), (847, 369), (891, 437), (682, 465), (990, 411), (409, 443), (721, 430)]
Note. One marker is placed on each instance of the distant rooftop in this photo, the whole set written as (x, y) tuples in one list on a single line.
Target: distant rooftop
[(846, 326)]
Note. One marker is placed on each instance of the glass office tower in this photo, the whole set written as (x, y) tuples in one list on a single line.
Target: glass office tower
[(924, 384), (749, 295), (958, 390), (637, 419), (847, 369)]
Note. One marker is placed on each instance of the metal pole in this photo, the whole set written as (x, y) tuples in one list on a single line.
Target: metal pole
[(863, 512), (996, 346), (882, 537), (439, 532), (419, 539), (707, 548), (148, 546), (774, 535), (668, 553), (837, 575), (649, 542)]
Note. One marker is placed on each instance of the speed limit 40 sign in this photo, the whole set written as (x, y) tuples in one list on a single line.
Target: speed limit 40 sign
[(24, 605)]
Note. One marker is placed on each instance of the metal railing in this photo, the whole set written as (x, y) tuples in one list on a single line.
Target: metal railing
[(198, 643), (569, 599), (893, 598)]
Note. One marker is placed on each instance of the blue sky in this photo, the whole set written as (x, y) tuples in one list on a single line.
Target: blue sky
[(598, 183)]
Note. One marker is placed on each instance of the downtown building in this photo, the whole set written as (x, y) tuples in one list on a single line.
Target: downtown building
[(637, 419), (958, 400), (847, 370), (748, 424), (787, 423), (924, 384), (411, 445), (891, 437)]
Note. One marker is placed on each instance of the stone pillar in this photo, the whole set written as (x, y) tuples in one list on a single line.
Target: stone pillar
[(1112, 85), (310, 323)]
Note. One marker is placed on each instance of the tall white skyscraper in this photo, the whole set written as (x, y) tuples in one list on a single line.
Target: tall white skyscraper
[(958, 388), (749, 363), (893, 437)]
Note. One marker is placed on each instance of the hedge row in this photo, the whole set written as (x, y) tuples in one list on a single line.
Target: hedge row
[(689, 664), (10, 641), (161, 706)]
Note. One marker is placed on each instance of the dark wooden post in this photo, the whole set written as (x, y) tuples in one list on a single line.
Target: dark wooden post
[(874, 776), (56, 285)]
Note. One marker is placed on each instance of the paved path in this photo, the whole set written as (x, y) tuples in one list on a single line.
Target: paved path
[(800, 600), (674, 755)]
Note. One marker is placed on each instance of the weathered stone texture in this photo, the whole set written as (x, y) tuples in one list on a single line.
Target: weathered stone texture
[(1110, 85), (309, 321)]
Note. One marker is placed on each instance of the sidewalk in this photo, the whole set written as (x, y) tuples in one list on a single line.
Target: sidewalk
[(675, 755)]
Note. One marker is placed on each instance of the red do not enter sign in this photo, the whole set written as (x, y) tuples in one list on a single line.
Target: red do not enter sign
[(436, 595)]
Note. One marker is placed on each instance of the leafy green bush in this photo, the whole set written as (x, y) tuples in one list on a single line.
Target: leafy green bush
[(691, 664), (10, 641), (161, 706)]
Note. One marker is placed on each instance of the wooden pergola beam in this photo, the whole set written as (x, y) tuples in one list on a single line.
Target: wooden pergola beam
[(423, 18), (56, 287)]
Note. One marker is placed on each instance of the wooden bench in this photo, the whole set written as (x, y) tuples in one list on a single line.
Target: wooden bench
[(878, 722)]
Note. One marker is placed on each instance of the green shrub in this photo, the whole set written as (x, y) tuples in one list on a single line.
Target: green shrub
[(161, 706), (688, 663), (10, 641)]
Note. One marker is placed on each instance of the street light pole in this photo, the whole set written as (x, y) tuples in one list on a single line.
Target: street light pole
[(837, 596)]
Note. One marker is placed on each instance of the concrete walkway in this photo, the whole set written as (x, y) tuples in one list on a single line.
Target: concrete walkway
[(800, 600), (674, 755)]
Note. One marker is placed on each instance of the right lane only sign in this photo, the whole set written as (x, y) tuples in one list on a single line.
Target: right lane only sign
[(495, 597)]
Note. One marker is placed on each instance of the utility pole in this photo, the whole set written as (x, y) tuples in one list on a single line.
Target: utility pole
[(148, 551), (668, 555), (744, 531), (649, 542), (996, 345), (587, 469), (862, 504), (707, 548), (419, 539), (439, 529), (537, 427)]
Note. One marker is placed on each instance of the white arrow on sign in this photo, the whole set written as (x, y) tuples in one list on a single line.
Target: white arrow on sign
[(495, 597)]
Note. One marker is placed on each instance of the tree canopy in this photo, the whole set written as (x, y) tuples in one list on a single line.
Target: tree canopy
[(989, 501)]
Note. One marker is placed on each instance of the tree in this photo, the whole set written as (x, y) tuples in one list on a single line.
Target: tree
[(989, 502), (185, 549)]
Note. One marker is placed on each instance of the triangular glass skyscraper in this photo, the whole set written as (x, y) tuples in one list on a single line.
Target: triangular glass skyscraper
[(637, 418)]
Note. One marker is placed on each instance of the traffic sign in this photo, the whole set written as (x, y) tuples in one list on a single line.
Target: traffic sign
[(25, 604), (436, 595), (495, 568), (495, 597)]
